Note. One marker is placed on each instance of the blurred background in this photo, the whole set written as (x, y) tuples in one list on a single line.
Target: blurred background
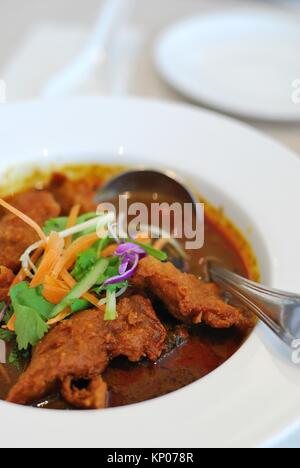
[(39, 37)]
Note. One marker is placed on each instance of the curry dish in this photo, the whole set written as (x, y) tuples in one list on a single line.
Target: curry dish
[(95, 321)]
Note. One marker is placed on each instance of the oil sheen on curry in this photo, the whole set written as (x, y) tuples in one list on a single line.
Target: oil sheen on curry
[(89, 320)]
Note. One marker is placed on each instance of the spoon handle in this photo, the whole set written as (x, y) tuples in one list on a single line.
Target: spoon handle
[(112, 13), (279, 310), (94, 54)]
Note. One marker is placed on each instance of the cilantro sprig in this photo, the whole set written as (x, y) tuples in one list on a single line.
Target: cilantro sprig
[(32, 313)]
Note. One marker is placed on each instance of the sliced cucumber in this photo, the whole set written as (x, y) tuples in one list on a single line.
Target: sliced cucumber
[(83, 286)]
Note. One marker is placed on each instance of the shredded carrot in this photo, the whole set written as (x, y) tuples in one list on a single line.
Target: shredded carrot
[(57, 283), (70, 255), (5, 374), (55, 290), (74, 213), (109, 251), (93, 300), (53, 294), (53, 252), (64, 314), (24, 218), (11, 323), (21, 276), (68, 278)]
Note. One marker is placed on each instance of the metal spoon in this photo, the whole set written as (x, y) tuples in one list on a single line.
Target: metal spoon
[(280, 311), (165, 183), (150, 181)]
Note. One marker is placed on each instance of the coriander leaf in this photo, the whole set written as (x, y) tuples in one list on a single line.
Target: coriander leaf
[(14, 359), (112, 287), (84, 263), (55, 224), (78, 305), (31, 310), (87, 260), (31, 297), (6, 335), (29, 326), (117, 286)]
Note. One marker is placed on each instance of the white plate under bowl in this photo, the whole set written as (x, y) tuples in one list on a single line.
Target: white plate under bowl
[(242, 61), (254, 397)]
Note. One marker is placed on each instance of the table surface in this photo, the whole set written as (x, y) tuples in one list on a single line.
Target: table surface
[(151, 16)]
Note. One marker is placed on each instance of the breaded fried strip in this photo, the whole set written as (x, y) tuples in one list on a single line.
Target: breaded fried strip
[(6, 279), (82, 347), (186, 297), (15, 235), (74, 192), (93, 396)]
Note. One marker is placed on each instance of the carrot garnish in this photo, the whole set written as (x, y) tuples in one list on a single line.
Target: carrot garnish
[(93, 300), (53, 252), (109, 251), (55, 290), (68, 278), (21, 276), (53, 294), (70, 255), (57, 283), (64, 314), (24, 218), (73, 216), (11, 323)]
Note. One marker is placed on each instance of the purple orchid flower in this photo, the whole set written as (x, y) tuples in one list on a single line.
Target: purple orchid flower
[(131, 254)]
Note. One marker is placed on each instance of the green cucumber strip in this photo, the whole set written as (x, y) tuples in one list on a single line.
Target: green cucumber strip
[(83, 286), (111, 306), (158, 254)]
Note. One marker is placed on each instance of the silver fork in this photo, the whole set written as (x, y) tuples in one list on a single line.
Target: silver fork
[(279, 310)]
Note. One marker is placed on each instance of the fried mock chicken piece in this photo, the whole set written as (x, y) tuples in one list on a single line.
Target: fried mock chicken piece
[(15, 235), (82, 347), (74, 192), (93, 395), (6, 279), (186, 297)]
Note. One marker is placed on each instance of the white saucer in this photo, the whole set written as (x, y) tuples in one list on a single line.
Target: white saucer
[(242, 62)]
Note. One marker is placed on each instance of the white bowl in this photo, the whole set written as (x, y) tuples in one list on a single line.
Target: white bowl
[(253, 398)]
